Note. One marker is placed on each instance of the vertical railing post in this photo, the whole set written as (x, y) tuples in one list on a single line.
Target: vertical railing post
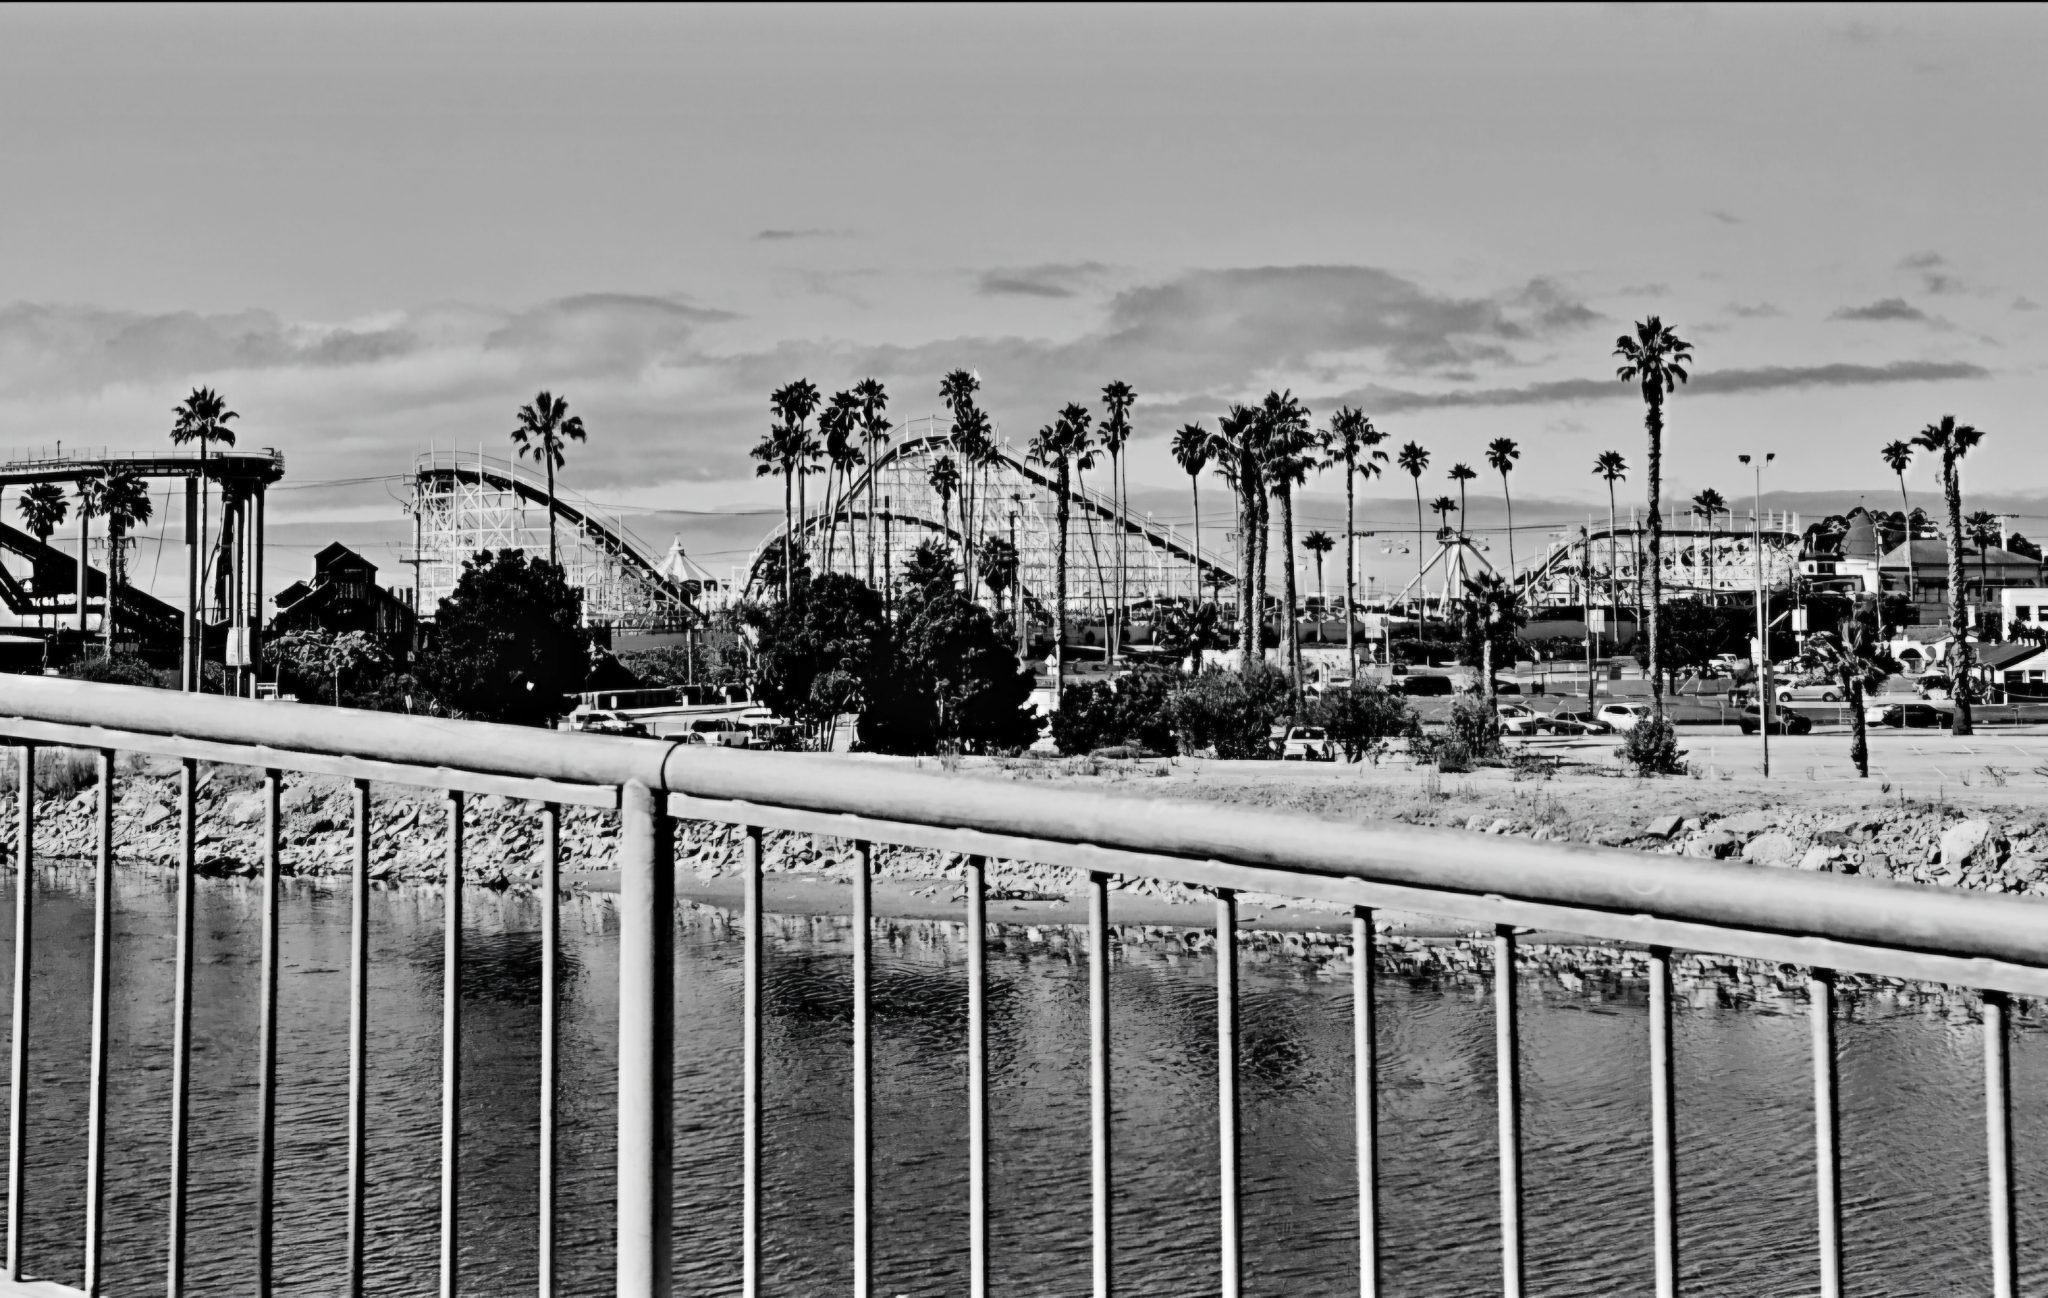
[(24, 947), (1098, 1078), (358, 1036), (1820, 988), (646, 1041), (1998, 1143), (977, 1077), (750, 1072), (863, 1069), (1226, 1092), (1663, 1127), (1365, 1100), (181, 1025), (1508, 1076), (451, 1047), (550, 1041), (266, 1067), (102, 975)]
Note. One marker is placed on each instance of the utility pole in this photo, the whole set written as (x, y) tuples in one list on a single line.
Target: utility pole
[(1764, 693)]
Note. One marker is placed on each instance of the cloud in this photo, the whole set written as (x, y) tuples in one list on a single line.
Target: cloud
[(1053, 279), (2025, 303), (1725, 218), (786, 235), (1711, 383), (1891, 308), (1921, 260), (1755, 311), (603, 332)]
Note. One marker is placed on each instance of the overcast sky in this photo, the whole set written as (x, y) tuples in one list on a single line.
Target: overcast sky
[(382, 229)]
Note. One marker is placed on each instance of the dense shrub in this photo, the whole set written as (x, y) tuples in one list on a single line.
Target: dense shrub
[(1650, 747), (119, 669), (1133, 711), (1362, 719), (1471, 735), (509, 645), (1229, 712)]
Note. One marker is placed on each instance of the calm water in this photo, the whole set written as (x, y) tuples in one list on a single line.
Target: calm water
[(1912, 1124)]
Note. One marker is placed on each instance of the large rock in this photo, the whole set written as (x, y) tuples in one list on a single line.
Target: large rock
[(1747, 823), (1973, 844), (244, 808), (1772, 849), (1664, 826), (1714, 845)]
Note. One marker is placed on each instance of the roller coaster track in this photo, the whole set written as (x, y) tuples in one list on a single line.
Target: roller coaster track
[(132, 608)]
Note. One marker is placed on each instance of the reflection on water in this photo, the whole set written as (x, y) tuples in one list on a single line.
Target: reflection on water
[(1912, 1124)]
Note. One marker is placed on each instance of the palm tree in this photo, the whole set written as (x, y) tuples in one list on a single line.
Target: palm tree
[(1058, 446), (1413, 460), (1614, 469), (838, 422), (999, 564), (1502, 453), (1850, 655), (545, 428), (1462, 474), (971, 442), (122, 499), (1710, 503), (1655, 360), (1289, 447), (1353, 442), (1490, 602), (944, 477), (1952, 441), (1115, 431), (874, 430), (1982, 529), (44, 507), (1444, 507), (1193, 446), (1238, 460), (1898, 457), (202, 417), (1319, 543)]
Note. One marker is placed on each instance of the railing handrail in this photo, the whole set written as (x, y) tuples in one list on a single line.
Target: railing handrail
[(1714, 895)]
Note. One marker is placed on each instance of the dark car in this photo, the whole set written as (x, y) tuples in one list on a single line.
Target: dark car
[(1580, 722), (1783, 722), (1418, 686), (1915, 716)]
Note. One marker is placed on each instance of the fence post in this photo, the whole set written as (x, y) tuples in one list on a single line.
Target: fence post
[(646, 1040)]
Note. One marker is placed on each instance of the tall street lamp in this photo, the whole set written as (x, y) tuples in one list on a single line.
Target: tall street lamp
[(1764, 697)]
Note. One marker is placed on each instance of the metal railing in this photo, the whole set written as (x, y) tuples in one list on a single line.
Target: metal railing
[(1825, 923)]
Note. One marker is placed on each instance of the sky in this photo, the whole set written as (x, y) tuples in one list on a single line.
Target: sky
[(382, 230)]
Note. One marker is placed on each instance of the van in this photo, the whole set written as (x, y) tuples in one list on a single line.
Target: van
[(1432, 686)]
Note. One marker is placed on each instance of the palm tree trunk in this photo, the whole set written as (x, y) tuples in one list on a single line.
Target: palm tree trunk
[(550, 459), (1509, 498), (1350, 568), (1654, 421), (1264, 532), (868, 447), (1247, 579), (1613, 572), (1289, 620), (113, 582), (1418, 561), (1195, 489), (1960, 685), (788, 531), (1859, 732), (1059, 593), (1906, 525)]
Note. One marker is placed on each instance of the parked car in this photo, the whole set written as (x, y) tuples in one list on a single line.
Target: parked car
[(610, 723), (1623, 716), (1577, 723), (1307, 744), (722, 732), (1828, 693), (1518, 720), (1916, 716), (1419, 686), (1782, 722)]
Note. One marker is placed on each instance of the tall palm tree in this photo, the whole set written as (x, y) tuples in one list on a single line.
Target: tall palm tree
[(874, 430), (1353, 442), (1502, 453), (1114, 432), (1710, 503), (1413, 459), (1462, 474), (1240, 437), (1982, 529), (545, 428), (1614, 469), (122, 499), (1319, 543), (1057, 447), (969, 437), (44, 507), (1952, 441), (1444, 507), (202, 417), (1655, 360), (769, 459), (1193, 447), (1289, 455), (1851, 656), (839, 422), (1898, 457), (944, 477)]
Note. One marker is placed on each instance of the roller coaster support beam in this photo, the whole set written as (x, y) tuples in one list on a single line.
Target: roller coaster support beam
[(189, 660)]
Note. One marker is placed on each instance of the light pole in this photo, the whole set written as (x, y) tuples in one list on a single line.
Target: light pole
[(1763, 654)]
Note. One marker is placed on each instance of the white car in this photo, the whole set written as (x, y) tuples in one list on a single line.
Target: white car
[(1518, 720), (1307, 744), (1622, 716), (1810, 694)]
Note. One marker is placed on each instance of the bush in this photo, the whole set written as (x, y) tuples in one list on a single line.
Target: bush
[(1650, 747), (119, 669), (1362, 719), (1470, 736), (1133, 711), (1229, 712)]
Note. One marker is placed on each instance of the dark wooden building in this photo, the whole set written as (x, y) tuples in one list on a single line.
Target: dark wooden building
[(344, 596)]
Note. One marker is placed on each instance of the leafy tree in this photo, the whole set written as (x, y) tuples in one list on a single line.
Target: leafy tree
[(999, 566), (1952, 441), (1193, 447), (1650, 747), (1362, 719), (1132, 710), (2021, 546), (1353, 442), (315, 664), (544, 432), (1230, 712), (43, 507), (1654, 359), (822, 651), (508, 644), (953, 679), (1851, 655), (1493, 619)]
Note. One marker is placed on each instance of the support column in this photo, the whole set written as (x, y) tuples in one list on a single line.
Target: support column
[(255, 598), (646, 1041), (84, 539), (190, 680)]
